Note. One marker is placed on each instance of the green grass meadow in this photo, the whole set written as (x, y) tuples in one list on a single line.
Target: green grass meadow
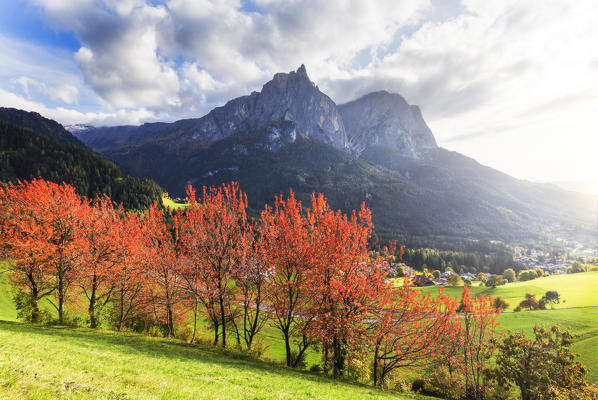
[(38, 362), (576, 290)]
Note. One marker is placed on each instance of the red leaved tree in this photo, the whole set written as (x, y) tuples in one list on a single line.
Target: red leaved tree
[(412, 330), (163, 265), (43, 224), (128, 273), (98, 255), (251, 279), (286, 243), (27, 259), (215, 237), (344, 286), (477, 336)]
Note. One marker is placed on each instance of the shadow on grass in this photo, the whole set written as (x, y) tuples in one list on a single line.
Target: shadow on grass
[(173, 349)]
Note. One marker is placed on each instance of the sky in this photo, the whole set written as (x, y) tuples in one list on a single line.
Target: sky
[(513, 84)]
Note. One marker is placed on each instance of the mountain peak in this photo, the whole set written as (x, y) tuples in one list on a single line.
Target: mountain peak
[(385, 120), (302, 71)]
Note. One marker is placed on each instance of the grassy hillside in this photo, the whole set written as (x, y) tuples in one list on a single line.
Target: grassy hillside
[(7, 307), (46, 363)]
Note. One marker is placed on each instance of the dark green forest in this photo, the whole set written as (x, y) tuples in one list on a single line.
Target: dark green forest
[(26, 155)]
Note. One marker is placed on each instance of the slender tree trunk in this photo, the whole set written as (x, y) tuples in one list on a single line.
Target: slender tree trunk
[(325, 355), (93, 322), (375, 372), (216, 327), (287, 346), (194, 320), (35, 315), (60, 297), (122, 307), (223, 317), (339, 357)]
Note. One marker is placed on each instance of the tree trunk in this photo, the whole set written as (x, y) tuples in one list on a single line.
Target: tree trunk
[(216, 327), (122, 308), (223, 321), (194, 321), (339, 358), (61, 298), (375, 372), (93, 322), (287, 346), (35, 315)]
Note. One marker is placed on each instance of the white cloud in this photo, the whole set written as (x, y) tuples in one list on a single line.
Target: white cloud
[(68, 116), (128, 46), (513, 84), (66, 93), (509, 83)]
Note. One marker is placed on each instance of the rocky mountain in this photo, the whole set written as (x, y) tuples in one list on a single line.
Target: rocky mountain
[(287, 97), (377, 149), (383, 120)]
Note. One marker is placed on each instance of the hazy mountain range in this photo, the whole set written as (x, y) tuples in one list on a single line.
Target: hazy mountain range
[(377, 149)]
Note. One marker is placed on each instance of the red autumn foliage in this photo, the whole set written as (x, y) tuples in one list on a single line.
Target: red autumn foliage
[(476, 335), (309, 271), (98, 258), (289, 255), (215, 237), (413, 330), (163, 263), (344, 286), (41, 222), (127, 275)]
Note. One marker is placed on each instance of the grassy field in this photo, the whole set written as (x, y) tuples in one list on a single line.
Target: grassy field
[(581, 321), (170, 203), (7, 307), (45, 363), (576, 290)]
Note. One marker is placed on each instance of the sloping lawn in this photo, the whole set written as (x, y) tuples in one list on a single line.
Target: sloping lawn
[(46, 363)]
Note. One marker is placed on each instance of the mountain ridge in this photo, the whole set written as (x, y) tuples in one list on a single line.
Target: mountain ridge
[(460, 197)]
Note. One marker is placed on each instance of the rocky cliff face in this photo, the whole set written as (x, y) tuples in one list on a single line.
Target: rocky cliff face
[(376, 122), (386, 120), (288, 97)]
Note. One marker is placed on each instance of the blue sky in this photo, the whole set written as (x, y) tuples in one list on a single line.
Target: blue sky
[(512, 84)]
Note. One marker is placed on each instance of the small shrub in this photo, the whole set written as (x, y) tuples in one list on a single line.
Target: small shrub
[(495, 280), (576, 267), (509, 275), (527, 275), (501, 303), (296, 361), (315, 368), (258, 348), (184, 333), (441, 383), (530, 302), (418, 385)]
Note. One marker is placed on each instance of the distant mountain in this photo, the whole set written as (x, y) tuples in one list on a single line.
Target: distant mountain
[(377, 149), (587, 187), (25, 155), (39, 124)]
